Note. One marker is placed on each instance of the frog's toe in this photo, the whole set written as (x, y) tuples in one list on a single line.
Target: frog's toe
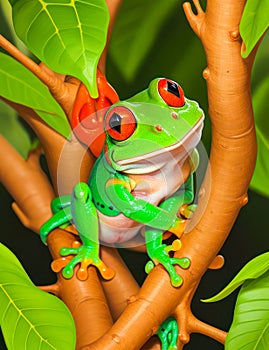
[(68, 251), (106, 272), (58, 264), (176, 280), (68, 272), (176, 245), (184, 263), (187, 210), (82, 273)]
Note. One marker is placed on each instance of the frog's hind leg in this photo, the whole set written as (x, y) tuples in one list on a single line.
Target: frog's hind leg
[(85, 219), (61, 217)]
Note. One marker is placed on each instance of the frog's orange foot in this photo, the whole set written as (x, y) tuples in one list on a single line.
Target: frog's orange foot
[(81, 255), (186, 210)]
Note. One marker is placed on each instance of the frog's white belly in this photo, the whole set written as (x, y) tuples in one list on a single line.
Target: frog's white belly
[(153, 188)]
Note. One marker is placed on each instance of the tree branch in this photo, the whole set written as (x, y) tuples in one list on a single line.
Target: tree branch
[(37, 193)]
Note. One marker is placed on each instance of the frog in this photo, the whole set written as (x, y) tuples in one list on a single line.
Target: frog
[(141, 183)]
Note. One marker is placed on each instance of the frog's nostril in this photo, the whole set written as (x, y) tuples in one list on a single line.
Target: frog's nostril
[(174, 115)]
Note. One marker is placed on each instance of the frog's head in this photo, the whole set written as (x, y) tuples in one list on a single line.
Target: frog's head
[(156, 121)]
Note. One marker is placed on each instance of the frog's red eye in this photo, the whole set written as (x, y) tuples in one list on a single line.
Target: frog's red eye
[(120, 123), (171, 92)]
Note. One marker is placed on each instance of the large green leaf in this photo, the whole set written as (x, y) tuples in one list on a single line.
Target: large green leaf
[(135, 30), (250, 327), (260, 179), (254, 22), (19, 85), (13, 130), (260, 88), (68, 35), (30, 318), (252, 270)]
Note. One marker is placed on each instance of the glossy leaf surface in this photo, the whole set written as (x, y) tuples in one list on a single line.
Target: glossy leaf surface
[(254, 22), (30, 318), (135, 32), (19, 85), (250, 327), (13, 131), (252, 270), (260, 179), (68, 36)]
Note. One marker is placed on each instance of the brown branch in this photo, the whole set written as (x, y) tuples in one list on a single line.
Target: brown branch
[(122, 287), (27, 184), (189, 324), (210, 331), (195, 21)]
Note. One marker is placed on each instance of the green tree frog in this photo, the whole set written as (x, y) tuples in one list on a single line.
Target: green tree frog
[(143, 178)]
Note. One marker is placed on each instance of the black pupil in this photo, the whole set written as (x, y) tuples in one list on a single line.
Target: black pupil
[(115, 122), (172, 88)]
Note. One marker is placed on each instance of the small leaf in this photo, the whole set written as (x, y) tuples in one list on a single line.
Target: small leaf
[(19, 85), (250, 327), (13, 131), (253, 269), (135, 31), (254, 22), (30, 318), (67, 35)]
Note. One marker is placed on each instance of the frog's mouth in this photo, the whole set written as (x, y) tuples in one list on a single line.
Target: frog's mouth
[(152, 161)]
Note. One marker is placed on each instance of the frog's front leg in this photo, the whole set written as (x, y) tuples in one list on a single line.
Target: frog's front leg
[(159, 254), (85, 219)]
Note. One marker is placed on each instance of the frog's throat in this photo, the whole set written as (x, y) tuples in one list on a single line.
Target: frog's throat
[(197, 129)]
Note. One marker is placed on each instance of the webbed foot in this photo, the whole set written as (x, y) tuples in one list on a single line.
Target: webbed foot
[(85, 256), (160, 255)]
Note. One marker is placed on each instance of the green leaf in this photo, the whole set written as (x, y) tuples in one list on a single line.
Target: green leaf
[(136, 28), (19, 85), (254, 22), (253, 269), (67, 35), (250, 327), (259, 181), (13, 130), (30, 318)]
